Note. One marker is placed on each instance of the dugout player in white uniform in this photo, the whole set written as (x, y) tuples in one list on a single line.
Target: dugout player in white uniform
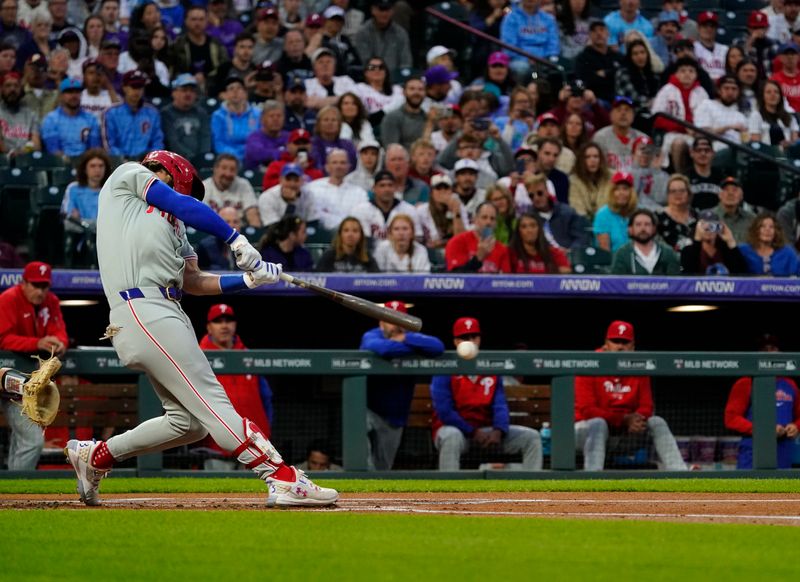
[(146, 263)]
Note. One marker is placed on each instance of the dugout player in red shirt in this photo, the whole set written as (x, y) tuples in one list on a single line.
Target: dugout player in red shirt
[(250, 394), (619, 405), (476, 250), (474, 408), (30, 322)]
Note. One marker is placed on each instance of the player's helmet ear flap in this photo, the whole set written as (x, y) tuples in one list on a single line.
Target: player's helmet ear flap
[(185, 178)]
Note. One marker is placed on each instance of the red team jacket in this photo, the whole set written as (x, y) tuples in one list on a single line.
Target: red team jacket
[(612, 397), (468, 403), (22, 324), (243, 391), (462, 247)]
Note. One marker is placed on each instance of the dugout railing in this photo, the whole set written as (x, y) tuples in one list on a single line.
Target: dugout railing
[(560, 366)]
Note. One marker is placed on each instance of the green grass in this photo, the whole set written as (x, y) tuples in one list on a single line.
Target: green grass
[(282, 545), (237, 485)]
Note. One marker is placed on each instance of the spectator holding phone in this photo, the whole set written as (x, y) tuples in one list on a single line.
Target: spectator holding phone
[(714, 251), (477, 250), (520, 119)]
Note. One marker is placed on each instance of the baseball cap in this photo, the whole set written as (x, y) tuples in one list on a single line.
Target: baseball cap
[(435, 52), (709, 215), (620, 330), (314, 20), (466, 326), (789, 47), (708, 17), (622, 178), (757, 19), (135, 78), (547, 118), (220, 310), (265, 70), (595, 22), (396, 305), (90, 62), (265, 13), (295, 82), (526, 149), (441, 179), (666, 16), (498, 58), (465, 164), (184, 80), (384, 175), (439, 74), (383, 4), (727, 79), (111, 42), (10, 75), (299, 134), (38, 272), (368, 143), (37, 60), (233, 79), (321, 51), (728, 181), (291, 169), (643, 140), (333, 12), (621, 100), (69, 84), (701, 140)]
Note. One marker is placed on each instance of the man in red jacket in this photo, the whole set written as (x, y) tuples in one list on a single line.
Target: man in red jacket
[(619, 405), (250, 394), (30, 322), (476, 250)]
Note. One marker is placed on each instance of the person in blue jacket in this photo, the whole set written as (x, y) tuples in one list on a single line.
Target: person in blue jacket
[(133, 127), (532, 30), (389, 397), (234, 120), (69, 130), (766, 252)]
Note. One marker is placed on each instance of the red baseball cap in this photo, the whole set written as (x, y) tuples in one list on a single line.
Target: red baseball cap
[(708, 16), (620, 330), (547, 118), (299, 134), (757, 19), (466, 326), (38, 272), (221, 310), (622, 178), (644, 140), (396, 305)]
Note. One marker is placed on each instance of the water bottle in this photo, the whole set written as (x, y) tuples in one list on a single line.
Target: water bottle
[(545, 434)]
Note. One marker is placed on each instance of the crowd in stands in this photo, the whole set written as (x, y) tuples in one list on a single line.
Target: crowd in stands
[(307, 117)]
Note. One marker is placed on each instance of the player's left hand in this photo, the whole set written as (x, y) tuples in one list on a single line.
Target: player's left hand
[(247, 257), (791, 430), (494, 438), (266, 274)]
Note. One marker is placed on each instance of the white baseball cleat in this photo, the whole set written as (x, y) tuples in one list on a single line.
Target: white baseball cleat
[(300, 492), (78, 454)]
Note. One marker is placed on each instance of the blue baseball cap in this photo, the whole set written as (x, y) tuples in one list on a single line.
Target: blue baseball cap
[(184, 80), (789, 47), (290, 169), (69, 84)]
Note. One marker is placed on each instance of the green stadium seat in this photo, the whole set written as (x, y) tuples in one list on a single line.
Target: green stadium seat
[(255, 177), (761, 179), (40, 160), (590, 261), (45, 226), (22, 177), (15, 210), (743, 5), (254, 233), (317, 234), (62, 176), (5, 161), (316, 250)]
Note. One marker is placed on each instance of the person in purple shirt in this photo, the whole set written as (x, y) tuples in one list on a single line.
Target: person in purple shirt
[(221, 26), (284, 241), (268, 142), (326, 137)]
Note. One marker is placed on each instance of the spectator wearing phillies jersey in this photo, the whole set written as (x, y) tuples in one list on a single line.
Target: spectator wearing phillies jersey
[(721, 116), (781, 25), (20, 122), (132, 127), (649, 180), (389, 397), (382, 206), (476, 250), (710, 54), (617, 139), (531, 253), (288, 198), (756, 44), (739, 412), (332, 196), (789, 76), (619, 405), (225, 188), (529, 28), (30, 322), (474, 408), (249, 394), (69, 131)]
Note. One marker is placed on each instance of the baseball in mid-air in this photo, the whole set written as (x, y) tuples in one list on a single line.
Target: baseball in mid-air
[(467, 350)]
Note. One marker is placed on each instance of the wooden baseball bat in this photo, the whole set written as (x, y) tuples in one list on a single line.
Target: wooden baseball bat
[(360, 305)]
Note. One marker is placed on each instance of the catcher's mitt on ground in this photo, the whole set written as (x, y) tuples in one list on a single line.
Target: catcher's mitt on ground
[(35, 392)]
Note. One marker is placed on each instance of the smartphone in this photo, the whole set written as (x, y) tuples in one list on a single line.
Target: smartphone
[(520, 166), (487, 232)]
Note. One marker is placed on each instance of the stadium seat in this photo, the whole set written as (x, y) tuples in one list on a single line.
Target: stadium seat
[(436, 257), (194, 236), (5, 162), (317, 234), (255, 177), (62, 176), (316, 250), (254, 233), (590, 261), (761, 179), (743, 5), (40, 161), (15, 203), (45, 225)]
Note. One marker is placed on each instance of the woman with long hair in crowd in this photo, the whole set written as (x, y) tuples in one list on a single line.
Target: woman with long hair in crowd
[(590, 181), (733, 57), (529, 251), (772, 123), (159, 42), (140, 56), (400, 253), (93, 32), (503, 201), (573, 20), (283, 243), (327, 132), (144, 18), (677, 221), (355, 126), (748, 75), (611, 221), (766, 251), (349, 252), (377, 92), (573, 134), (443, 216), (636, 78)]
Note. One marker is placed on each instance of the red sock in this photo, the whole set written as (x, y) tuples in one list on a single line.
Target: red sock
[(284, 473), (101, 458)]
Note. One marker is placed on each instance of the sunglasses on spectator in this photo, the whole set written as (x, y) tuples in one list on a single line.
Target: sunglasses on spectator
[(377, 67)]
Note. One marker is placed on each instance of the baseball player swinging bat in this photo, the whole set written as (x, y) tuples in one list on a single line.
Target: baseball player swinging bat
[(360, 305)]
